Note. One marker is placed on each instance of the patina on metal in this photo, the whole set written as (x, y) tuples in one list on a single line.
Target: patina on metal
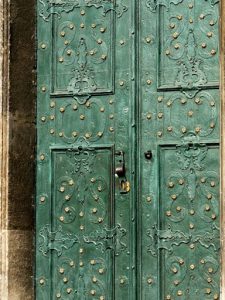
[(128, 150)]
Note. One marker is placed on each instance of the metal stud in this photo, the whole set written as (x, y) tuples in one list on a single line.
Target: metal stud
[(102, 29), (179, 293), (68, 290), (148, 40), (43, 89), (42, 199), (101, 271), (42, 281), (43, 46), (81, 264), (82, 117), (42, 157), (61, 271), (149, 82), (94, 279), (82, 25)]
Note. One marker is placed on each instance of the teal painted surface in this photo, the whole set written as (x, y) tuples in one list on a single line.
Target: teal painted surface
[(128, 150)]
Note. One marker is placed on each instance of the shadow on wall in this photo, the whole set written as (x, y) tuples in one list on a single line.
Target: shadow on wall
[(21, 149)]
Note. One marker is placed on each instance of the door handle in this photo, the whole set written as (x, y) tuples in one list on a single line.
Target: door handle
[(120, 172)]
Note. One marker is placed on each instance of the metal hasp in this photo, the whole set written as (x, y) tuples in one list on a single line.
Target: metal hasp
[(128, 108)]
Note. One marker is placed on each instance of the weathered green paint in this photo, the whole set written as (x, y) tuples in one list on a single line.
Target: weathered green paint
[(128, 150)]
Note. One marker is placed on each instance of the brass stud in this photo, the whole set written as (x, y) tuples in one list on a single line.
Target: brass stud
[(149, 82), (208, 291), (183, 101), (121, 42), (42, 157), (61, 134), (160, 115), (212, 23), (209, 196), (81, 264), (81, 251), (216, 297), (43, 119), (67, 197), (101, 298), (191, 21), (81, 214), (82, 25), (121, 83), (212, 103), (122, 281), (171, 184), (43, 46), (82, 12), (82, 117), (72, 263), (179, 293), (65, 280), (93, 262), (62, 33), (207, 207), (52, 104), (212, 183), (181, 181), (204, 45), (100, 134), (67, 209), (94, 210), (100, 220), (160, 98), (213, 217), (99, 41), (69, 52), (61, 271), (197, 129), (101, 271), (69, 290), (178, 208), (66, 42), (167, 52), (102, 29), (111, 129), (61, 218), (87, 135), (42, 281), (203, 180), (209, 280), (190, 5), (175, 35), (172, 25), (62, 109), (149, 281), (71, 26), (93, 292), (168, 297), (192, 246), (176, 46), (148, 40), (183, 129), (74, 133), (168, 213), (61, 59), (42, 199), (111, 101), (212, 125), (149, 116), (192, 266), (149, 199), (81, 227), (202, 16), (210, 270), (176, 282), (102, 109), (103, 57), (190, 113), (170, 128), (43, 89), (58, 295), (179, 17), (159, 133), (192, 212), (111, 116), (93, 25), (191, 226), (173, 197), (52, 117), (181, 261), (213, 52), (209, 34), (94, 279)]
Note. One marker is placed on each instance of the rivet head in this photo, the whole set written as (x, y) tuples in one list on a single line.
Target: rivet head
[(82, 117), (69, 290), (149, 116), (99, 41), (102, 109), (121, 83), (92, 262), (168, 213), (179, 293), (43, 89), (213, 52), (69, 52), (82, 25), (81, 227), (101, 298), (149, 199), (43, 46), (65, 280), (103, 57), (208, 291), (81, 214), (82, 12), (62, 109), (81, 251), (58, 295), (71, 26), (42, 281), (42, 157), (102, 29), (160, 115), (148, 40), (61, 270), (61, 218), (192, 212), (71, 263), (168, 297), (149, 281), (81, 264), (94, 279), (101, 271), (204, 45), (209, 34), (149, 82), (100, 134), (62, 33), (42, 199), (192, 266), (74, 133), (52, 104)]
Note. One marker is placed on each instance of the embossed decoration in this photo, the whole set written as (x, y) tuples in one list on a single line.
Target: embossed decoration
[(108, 239), (187, 236), (183, 114), (57, 7), (83, 53), (57, 240), (188, 42)]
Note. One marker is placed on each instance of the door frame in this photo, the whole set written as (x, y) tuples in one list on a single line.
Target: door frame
[(5, 20)]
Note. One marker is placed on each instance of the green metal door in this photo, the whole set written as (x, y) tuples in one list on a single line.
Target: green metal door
[(128, 150)]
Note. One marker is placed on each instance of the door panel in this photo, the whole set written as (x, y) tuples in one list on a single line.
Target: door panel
[(85, 154), (179, 181), (128, 150)]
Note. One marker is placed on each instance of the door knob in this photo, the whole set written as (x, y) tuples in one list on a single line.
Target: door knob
[(120, 170)]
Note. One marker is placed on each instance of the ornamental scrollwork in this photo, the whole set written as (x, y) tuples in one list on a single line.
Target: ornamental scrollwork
[(57, 7)]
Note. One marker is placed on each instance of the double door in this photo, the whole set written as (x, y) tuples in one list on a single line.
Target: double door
[(128, 124)]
